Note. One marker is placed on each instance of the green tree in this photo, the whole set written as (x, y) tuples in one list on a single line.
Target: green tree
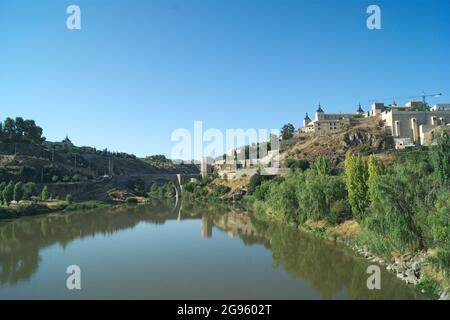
[(373, 170), (55, 179), (282, 198), (356, 177), (287, 131), (402, 200), (30, 190), (255, 181), (441, 159), (8, 193), (321, 197), (323, 165), (69, 199), (2, 187), (18, 191), (9, 128), (19, 128), (32, 132), (45, 194)]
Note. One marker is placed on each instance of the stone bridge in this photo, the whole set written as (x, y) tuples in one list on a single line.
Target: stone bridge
[(177, 179), (98, 188)]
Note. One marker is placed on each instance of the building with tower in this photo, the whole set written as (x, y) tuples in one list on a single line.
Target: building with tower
[(329, 122), (410, 124)]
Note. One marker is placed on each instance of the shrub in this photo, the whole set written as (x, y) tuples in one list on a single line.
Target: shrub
[(220, 190), (136, 185), (255, 181), (262, 191), (189, 187), (441, 159), (297, 164), (428, 285)]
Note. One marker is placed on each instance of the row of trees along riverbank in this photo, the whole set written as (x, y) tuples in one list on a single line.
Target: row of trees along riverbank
[(400, 208)]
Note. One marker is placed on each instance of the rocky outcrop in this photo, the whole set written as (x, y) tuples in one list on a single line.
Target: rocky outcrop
[(362, 138), (373, 141)]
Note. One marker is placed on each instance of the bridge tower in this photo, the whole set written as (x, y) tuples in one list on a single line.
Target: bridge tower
[(206, 166)]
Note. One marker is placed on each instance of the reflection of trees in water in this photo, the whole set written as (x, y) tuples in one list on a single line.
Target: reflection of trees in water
[(329, 268), (21, 239)]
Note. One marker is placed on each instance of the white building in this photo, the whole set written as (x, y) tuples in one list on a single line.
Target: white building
[(329, 122), (440, 107), (409, 126)]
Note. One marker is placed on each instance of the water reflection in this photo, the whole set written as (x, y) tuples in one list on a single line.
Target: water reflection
[(330, 269), (22, 239)]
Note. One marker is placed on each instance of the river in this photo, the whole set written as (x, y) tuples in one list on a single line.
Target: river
[(161, 253)]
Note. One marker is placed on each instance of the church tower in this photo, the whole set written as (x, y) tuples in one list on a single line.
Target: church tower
[(319, 112), (360, 110), (306, 121)]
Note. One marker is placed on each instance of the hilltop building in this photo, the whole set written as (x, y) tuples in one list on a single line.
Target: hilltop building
[(329, 122), (408, 124), (441, 107), (67, 142)]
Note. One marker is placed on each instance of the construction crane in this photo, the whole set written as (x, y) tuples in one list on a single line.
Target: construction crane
[(423, 96)]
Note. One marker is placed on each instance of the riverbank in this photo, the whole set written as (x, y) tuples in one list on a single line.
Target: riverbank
[(414, 268), (31, 208), (217, 242)]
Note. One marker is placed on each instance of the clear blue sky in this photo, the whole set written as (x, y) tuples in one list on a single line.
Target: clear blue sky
[(137, 70)]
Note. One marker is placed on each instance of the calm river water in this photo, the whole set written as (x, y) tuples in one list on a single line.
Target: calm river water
[(207, 253)]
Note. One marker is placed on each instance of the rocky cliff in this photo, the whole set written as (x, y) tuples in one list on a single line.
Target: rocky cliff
[(364, 138)]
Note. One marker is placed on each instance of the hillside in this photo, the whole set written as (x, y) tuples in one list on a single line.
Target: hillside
[(30, 161), (26, 156), (365, 137)]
